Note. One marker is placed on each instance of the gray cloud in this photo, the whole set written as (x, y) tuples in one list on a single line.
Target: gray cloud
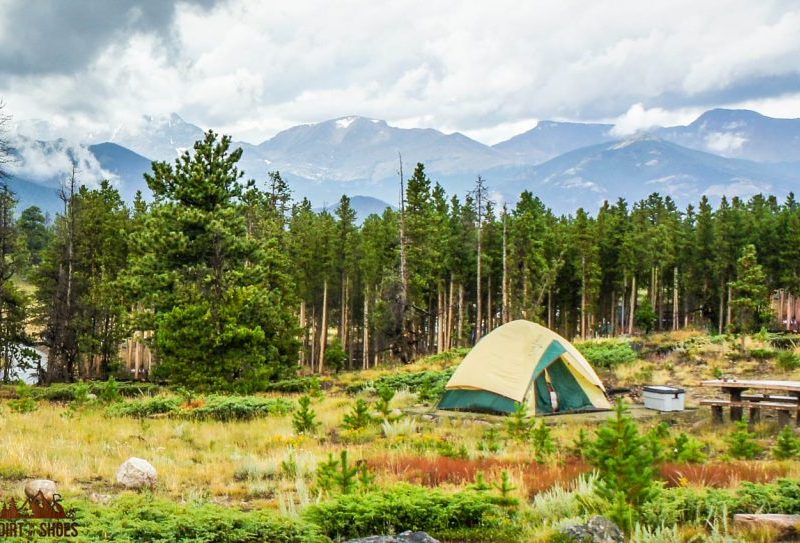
[(42, 37), (251, 68)]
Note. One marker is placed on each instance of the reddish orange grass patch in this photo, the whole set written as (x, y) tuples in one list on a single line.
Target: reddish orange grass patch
[(721, 475)]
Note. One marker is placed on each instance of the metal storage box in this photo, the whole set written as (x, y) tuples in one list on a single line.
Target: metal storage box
[(664, 398)]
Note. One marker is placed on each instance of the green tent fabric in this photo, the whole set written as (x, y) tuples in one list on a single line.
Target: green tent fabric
[(477, 400), (513, 365)]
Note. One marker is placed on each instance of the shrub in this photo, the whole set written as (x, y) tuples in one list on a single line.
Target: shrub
[(341, 474), (299, 384), (24, 402), (145, 408), (109, 391), (742, 443), (788, 361), (428, 385), (543, 443), (763, 354), (607, 353), (404, 507), (142, 517), (519, 423), (335, 356), (230, 408), (359, 417), (304, 420), (221, 408), (688, 449), (787, 445), (384, 404), (624, 462)]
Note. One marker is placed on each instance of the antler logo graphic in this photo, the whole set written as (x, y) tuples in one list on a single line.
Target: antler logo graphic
[(37, 507)]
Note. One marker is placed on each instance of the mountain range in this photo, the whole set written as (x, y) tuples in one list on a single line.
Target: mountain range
[(723, 152)]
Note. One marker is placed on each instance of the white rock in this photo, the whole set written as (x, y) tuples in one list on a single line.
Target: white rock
[(45, 486), (136, 473)]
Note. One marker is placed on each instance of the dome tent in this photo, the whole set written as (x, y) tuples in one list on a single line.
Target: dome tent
[(524, 362)]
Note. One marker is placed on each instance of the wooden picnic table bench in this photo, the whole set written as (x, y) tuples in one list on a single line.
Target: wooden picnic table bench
[(786, 402)]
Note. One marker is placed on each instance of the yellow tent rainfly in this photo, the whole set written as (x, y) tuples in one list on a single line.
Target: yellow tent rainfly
[(523, 362)]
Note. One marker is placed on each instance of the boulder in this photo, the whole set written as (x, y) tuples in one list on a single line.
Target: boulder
[(785, 527), (45, 486), (597, 530), (136, 473), (404, 537)]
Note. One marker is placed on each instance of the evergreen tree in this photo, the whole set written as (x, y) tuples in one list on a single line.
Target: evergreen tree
[(750, 300), (219, 301), (623, 460)]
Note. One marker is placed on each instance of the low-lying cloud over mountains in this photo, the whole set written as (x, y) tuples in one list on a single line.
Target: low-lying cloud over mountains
[(723, 152)]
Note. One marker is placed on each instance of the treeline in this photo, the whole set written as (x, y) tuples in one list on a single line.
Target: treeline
[(232, 284)]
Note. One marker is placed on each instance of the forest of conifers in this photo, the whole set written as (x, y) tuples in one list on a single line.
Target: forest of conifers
[(233, 283)]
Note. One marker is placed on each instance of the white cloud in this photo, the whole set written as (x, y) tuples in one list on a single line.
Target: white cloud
[(639, 118), (742, 188), (253, 68), (52, 161), (724, 143)]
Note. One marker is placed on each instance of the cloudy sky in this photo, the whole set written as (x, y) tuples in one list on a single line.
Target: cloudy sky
[(487, 69)]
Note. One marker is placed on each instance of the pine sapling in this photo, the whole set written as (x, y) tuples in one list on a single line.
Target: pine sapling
[(304, 420), (365, 479), (543, 443), (490, 442), (624, 461), (787, 445), (688, 450), (581, 444), (506, 488), (346, 475), (519, 424), (385, 397), (359, 417), (742, 443), (480, 484)]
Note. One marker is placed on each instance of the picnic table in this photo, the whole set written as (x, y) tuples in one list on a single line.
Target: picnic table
[(780, 396)]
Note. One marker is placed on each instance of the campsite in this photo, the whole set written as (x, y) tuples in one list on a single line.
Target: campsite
[(375, 437)]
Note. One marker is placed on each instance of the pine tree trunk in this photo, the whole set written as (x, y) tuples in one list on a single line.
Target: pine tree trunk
[(303, 327), (729, 315), (439, 317), (449, 328), (722, 307), (365, 345), (633, 304), (550, 307), (675, 312), (613, 317), (323, 332), (460, 315), (583, 297), (479, 300), (489, 304), (788, 311)]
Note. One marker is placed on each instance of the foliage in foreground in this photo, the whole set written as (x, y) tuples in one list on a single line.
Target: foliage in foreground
[(222, 408), (429, 385), (137, 518), (473, 515)]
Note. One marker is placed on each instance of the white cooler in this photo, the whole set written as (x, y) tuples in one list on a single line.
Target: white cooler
[(664, 398)]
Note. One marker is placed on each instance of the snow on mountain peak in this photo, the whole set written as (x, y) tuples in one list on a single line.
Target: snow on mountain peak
[(344, 122)]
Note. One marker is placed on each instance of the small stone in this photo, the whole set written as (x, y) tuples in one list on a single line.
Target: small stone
[(100, 498), (45, 486), (404, 537), (136, 473), (597, 530)]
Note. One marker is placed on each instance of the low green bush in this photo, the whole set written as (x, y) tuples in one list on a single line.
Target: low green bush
[(763, 354), (607, 353), (145, 407), (788, 361), (475, 516), (297, 385), (135, 518), (222, 408), (228, 408), (429, 385)]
